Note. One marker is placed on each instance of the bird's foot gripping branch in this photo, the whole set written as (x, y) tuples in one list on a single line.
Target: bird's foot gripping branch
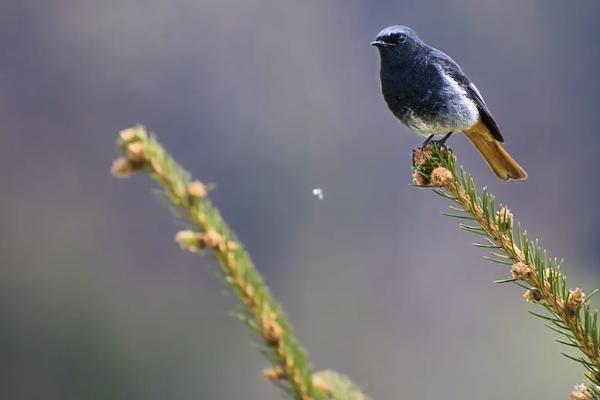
[(566, 311), (208, 233), (428, 165)]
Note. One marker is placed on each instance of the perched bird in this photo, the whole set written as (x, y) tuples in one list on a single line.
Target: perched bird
[(431, 94)]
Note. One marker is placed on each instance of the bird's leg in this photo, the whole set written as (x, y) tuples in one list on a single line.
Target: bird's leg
[(442, 141), (427, 141)]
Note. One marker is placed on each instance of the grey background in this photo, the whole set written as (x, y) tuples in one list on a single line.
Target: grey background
[(269, 99)]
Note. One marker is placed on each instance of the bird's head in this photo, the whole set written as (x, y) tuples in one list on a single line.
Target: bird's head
[(397, 41)]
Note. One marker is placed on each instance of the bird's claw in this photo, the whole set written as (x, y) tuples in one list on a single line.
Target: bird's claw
[(441, 143)]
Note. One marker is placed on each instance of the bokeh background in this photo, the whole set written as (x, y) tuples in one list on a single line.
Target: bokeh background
[(269, 99)]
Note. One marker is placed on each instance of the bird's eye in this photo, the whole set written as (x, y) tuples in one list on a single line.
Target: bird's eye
[(401, 38)]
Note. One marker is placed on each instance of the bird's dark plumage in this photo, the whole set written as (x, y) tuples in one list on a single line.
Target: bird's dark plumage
[(429, 92)]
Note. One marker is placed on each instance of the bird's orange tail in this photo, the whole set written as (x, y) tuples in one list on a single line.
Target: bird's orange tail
[(503, 165)]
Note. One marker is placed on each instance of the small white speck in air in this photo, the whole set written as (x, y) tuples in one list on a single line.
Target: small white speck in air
[(318, 193)]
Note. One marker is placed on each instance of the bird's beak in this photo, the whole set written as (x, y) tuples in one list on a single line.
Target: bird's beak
[(381, 43)]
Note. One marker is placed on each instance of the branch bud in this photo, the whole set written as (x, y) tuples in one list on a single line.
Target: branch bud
[(581, 392), (122, 168), (135, 152), (274, 374), (197, 189), (214, 240), (575, 300), (189, 240), (441, 177), (271, 329), (521, 271), (137, 132), (533, 295), (418, 178)]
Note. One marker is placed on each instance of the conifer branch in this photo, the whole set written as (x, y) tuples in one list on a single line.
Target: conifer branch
[(290, 368), (568, 312)]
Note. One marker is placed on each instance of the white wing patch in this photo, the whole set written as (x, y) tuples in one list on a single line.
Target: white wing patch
[(462, 109)]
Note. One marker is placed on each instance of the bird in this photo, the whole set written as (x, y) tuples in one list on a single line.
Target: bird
[(430, 94)]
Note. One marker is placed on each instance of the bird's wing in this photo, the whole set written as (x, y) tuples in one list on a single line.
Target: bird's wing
[(450, 67)]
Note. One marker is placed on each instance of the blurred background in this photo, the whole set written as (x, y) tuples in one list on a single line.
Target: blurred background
[(269, 99)]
